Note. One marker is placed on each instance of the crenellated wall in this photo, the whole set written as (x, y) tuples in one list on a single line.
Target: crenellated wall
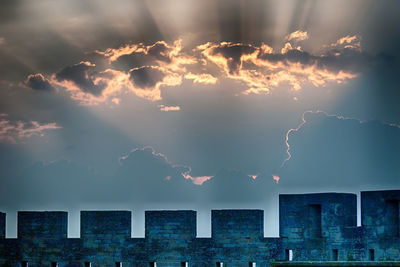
[(42, 225), (237, 224), (313, 227), (170, 224), (111, 225)]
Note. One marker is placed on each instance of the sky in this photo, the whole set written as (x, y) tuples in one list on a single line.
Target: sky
[(143, 105)]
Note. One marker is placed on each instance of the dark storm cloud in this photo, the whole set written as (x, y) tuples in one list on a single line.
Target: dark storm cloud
[(329, 151), (233, 53), (81, 75), (38, 82), (344, 56), (146, 77), (160, 51)]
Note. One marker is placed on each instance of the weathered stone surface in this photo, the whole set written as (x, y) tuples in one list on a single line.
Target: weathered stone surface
[(42, 225), (170, 224), (317, 229)]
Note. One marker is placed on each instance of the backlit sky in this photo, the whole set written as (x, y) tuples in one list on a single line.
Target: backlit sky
[(195, 104)]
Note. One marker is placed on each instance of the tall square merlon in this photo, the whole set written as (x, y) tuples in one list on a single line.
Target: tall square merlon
[(2, 225), (380, 213), (313, 216), (106, 224), (42, 224), (237, 224), (179, 224)]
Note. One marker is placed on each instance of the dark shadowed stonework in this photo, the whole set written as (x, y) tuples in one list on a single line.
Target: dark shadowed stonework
[(315, 230)]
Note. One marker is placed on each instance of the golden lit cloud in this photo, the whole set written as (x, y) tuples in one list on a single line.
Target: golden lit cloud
[(259, 68), (350, 42), (139, 81), (90, 86), (297, 36), (203, 78)]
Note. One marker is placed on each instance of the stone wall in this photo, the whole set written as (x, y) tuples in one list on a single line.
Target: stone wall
[(314, 228)]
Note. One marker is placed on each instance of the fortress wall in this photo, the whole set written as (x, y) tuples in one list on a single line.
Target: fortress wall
[(42, 225), (380, 220), (380, 213), (170, 224), (314, 227), (237, 224), (105, 224), (332, 216)]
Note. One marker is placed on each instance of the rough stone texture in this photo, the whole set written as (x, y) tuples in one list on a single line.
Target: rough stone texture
[(105, 224), (320, 229), (315, 216), (237, 223), (170, 224), (380, 220), (42, 225)]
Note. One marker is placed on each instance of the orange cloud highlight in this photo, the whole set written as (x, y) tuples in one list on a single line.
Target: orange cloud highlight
[(297, 36), (350, 42), (202, 78), (197, 180), (260, 69)]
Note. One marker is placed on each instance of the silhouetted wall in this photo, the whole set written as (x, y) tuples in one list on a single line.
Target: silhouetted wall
[(313, 228)]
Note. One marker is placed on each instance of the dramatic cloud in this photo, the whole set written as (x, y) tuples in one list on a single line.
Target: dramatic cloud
[(304, 121), (229, 56), (202, 78), (171, 170), (327, 150), (81, 75), (169, 56), (350, 42), (38, 82), (262, 69), (14, 131), (144, 70), (297, 36), (165, 66), (146, 77)]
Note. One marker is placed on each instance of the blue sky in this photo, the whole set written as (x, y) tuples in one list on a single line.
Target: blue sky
[(195, 105)]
